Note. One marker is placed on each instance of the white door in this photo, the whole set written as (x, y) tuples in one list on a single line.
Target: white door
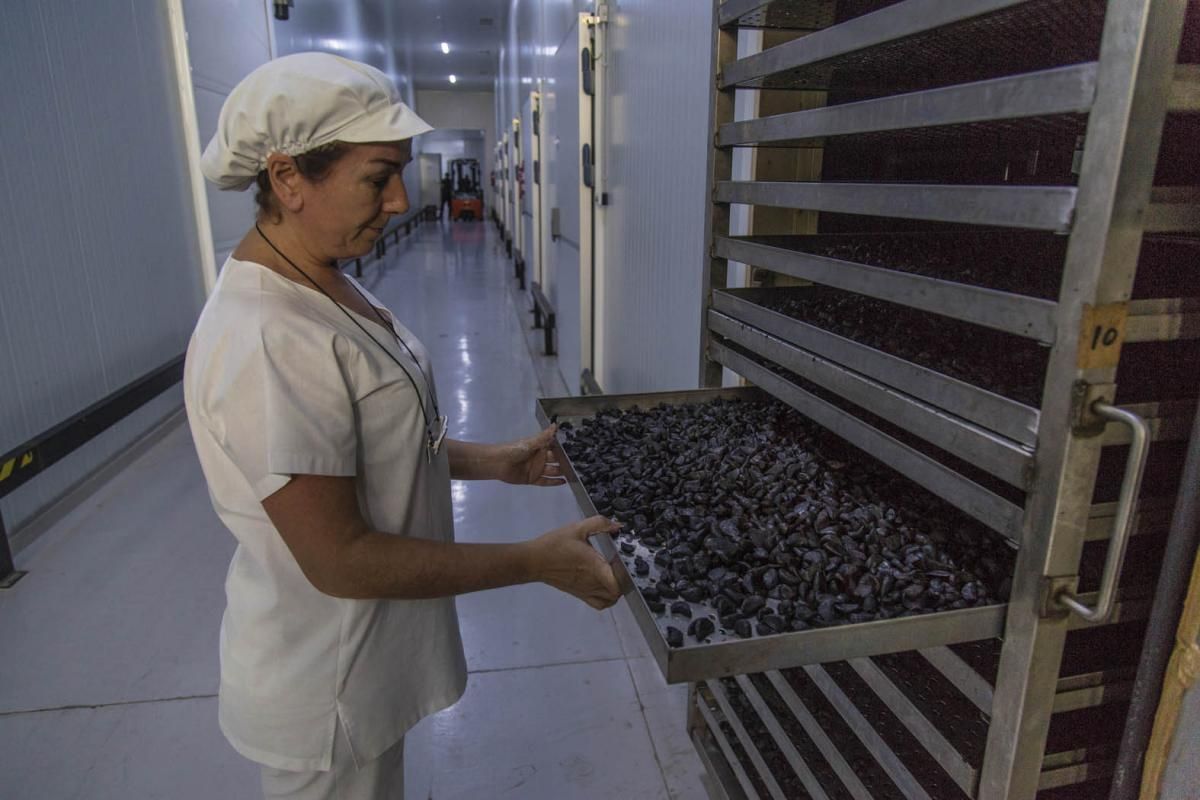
[(560, 168), (430, 165)]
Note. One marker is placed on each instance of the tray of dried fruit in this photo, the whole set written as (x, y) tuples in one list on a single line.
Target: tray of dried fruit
[(754, 539)]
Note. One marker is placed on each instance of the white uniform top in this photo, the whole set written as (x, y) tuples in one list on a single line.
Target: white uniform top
[(278, 382)]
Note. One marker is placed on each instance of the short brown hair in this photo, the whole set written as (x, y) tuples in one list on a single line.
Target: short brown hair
[(313, 165)]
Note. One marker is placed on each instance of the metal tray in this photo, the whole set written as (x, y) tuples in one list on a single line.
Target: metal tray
[(981, 406), (975, 444), (726, 654)]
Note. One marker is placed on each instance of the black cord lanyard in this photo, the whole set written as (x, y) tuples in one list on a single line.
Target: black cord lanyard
[(434, 436)]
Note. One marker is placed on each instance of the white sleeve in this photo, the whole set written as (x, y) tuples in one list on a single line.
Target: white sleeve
[(307, 409)]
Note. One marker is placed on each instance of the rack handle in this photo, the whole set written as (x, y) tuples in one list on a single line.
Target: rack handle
[(1135, 468)]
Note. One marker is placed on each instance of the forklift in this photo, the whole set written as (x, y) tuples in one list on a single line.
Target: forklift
[(466, 200)]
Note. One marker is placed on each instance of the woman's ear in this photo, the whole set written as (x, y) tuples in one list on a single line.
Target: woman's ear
[(286, 181)]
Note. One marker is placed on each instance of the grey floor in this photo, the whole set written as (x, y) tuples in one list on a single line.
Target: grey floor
[(109, 673)]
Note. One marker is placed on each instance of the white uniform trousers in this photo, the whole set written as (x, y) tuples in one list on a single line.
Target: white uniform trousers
[(381, 779)]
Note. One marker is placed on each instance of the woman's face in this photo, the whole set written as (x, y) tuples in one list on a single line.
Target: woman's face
[(346, 212)]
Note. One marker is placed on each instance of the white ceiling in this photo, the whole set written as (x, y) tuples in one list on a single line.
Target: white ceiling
[(403, 37)]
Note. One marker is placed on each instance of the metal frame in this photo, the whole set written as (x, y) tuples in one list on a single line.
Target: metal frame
[(1026, 316), (1002, 415), (1052, 450), (1064, 90)]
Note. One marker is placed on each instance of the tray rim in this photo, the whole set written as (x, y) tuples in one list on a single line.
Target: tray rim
[(700, 662)]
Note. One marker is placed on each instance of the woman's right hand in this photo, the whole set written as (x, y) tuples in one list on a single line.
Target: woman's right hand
[(564, 559)]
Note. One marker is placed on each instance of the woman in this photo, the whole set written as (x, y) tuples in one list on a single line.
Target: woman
[(316, 420)]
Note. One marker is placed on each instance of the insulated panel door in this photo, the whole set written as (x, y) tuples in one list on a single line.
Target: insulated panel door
[(560, 149)]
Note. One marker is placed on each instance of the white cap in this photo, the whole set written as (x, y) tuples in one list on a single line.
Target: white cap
[(297, 103)]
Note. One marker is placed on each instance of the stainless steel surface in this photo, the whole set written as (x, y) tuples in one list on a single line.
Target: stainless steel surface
[(715, 269), (1123, 521), (984, 505), (962, 675), (886, 25), (1173, 209), (811, 785), (1182, 541), (895, 768), (1125, 609), (926, 732), (810, 15), (747, 742), (1066, 776), (720, 785), (723, 746), (1137, 58), (1031, 317), (1065, 90), (1132, 82), (1086, 697), (996, 454), (1047, 208), (728, 654), (1169, 421), (1163, 320), (1153, 515), (1007, 417), (1185, 89)]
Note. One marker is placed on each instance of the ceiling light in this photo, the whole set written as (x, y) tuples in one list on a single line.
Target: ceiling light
[(454, 79), (445, 47)]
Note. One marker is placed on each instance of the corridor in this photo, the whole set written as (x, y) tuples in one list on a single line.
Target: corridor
[(113, 690)]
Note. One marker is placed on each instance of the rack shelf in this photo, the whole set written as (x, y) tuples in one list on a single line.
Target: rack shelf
[(1064, 90), (1003, 415), (995, 511), (802, 257), (993, 163), (812, 15), (996, 454), (923, 42)]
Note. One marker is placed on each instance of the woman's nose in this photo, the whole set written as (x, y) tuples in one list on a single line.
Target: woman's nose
[(396, 199)]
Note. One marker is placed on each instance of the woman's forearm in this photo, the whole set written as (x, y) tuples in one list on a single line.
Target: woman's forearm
[(471, 461), (380, 565)]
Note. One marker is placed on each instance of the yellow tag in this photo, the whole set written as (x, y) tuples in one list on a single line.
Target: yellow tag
[(1101, 334)]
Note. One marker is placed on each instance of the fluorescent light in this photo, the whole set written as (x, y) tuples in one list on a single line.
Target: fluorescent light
[(454, 79), (445, 47)]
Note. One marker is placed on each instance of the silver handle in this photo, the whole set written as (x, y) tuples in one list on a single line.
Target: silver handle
[(1135, 468)]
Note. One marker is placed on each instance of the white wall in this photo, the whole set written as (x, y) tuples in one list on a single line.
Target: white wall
[(226, 42), (101, 276), (658, 74), (451, 109)]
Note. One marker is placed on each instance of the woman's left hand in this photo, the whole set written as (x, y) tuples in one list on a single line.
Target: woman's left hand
[(530, 461)]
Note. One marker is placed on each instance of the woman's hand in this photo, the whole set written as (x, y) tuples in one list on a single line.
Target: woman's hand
[(563, 559), (530, 461)]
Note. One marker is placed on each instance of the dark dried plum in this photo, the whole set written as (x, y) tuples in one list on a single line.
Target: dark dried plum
[(681, 608), (674, 637), (736, 499), (752, 604), (743, 628), (701, 628)]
